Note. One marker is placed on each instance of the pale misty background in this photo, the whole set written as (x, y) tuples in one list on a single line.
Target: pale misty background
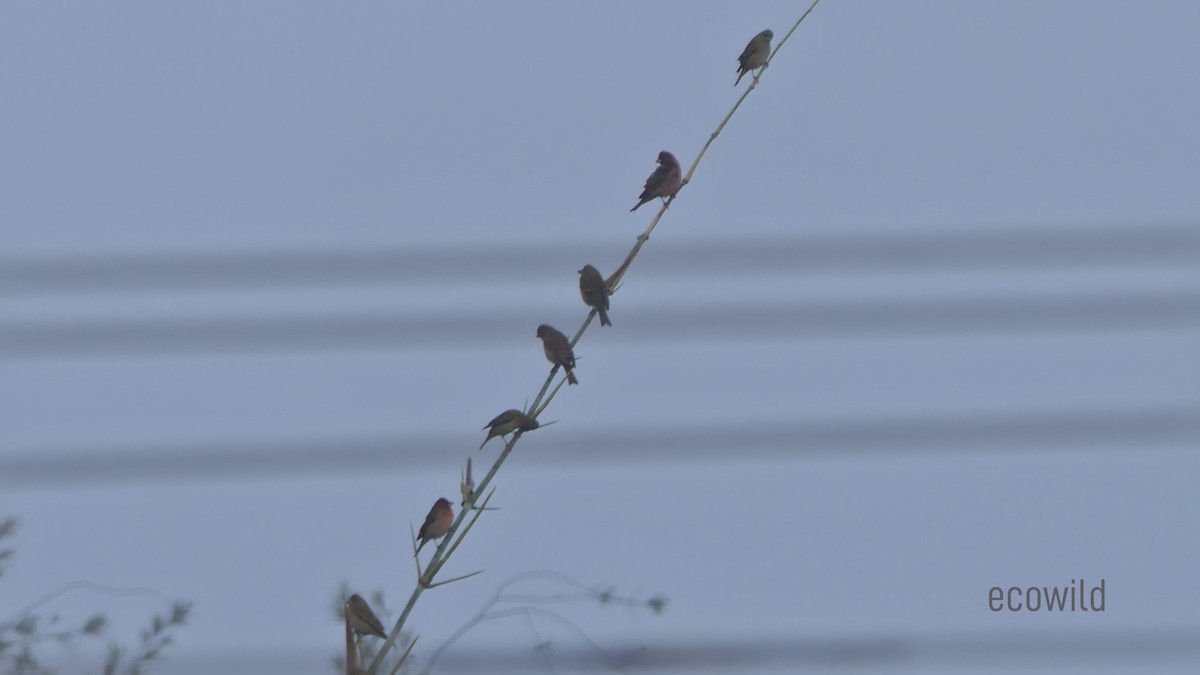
[(924, 322)]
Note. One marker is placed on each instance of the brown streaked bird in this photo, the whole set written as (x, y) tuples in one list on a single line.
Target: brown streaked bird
[(755, 54), (558, 350), (437, 523), (663, 182), (594, 292), (507, 422), (362, 620)]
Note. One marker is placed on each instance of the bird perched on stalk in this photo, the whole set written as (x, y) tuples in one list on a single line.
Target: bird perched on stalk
[(558, 350), (663, 182), (507, 422), (362, 620), (755, 54), (437, 523), (594, 292)]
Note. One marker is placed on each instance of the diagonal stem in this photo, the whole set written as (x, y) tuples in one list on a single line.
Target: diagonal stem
[(441, 554)]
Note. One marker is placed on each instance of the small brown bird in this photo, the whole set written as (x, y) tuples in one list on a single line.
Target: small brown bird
[(507, 422), (594, 292), (437, 523), (362, 620), (558, 350), (663, 182), (755, 54)]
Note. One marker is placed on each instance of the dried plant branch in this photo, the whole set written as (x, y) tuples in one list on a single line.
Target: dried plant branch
[(450, 581), (351, 652), (478, 512), (404, 656), (645, 236), (583, 594), (539, 405)]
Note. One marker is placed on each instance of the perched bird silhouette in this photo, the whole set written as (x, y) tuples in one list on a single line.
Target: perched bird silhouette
[(558, 350), (594, 292), (755, 54), (663, 182), (507, 422), (437, 523), (362, 620)]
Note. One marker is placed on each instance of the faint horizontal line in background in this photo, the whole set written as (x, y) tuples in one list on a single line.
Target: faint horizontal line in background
[(1134, 649), (1057, 247), (890, 318), (1129, 430)]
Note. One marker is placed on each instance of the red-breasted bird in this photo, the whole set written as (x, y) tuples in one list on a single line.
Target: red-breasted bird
[(558, 350), (437, 523), (594, 292), (362, 620), (507, 422), (755, 54), (663, 182)]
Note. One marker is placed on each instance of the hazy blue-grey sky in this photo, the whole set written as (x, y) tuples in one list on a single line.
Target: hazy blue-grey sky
[(924, 322)]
